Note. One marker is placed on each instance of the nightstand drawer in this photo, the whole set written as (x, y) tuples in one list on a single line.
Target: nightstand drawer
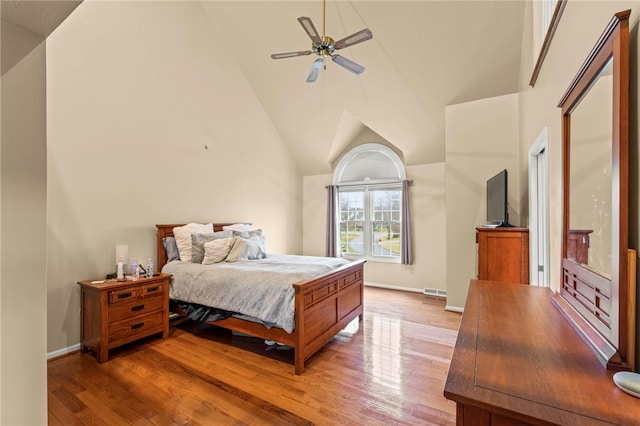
[(135, 308), (135, 328), (123, 295), (152, 289), (130, 293)]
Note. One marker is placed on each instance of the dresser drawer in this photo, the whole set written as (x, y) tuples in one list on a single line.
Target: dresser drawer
[(135, 328), (134, 308)]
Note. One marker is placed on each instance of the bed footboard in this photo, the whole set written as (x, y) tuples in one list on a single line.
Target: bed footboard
[(324, 306)]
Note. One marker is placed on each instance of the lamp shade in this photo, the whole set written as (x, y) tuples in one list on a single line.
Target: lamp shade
[(122, 253)]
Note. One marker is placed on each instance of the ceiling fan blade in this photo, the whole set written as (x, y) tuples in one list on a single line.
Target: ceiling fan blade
[(308, 26), (355, 38), (348, 64), (315, 70), (291, 54)]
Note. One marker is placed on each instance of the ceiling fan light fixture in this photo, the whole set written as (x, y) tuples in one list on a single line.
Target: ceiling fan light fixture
[(327, 47)]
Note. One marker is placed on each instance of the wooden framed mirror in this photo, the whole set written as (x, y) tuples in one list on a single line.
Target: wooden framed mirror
[(596, 285)]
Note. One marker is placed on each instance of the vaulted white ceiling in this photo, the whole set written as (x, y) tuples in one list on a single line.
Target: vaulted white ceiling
[(424, 55)]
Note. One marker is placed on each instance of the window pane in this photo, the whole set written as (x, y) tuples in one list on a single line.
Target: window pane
[(352, 222), (385, 235), (351, 238)]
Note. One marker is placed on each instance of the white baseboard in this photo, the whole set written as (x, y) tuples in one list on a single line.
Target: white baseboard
[(64, 351), (393, 287), (428, 292), (454, 309)]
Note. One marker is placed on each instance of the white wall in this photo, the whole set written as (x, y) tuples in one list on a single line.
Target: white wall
[(151, 121), (482, 139), (581, 25), (23, 300)]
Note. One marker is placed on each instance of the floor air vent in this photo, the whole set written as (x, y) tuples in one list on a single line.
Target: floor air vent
[(435, 293)]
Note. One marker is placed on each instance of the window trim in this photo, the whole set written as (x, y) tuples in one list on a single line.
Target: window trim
[(551, 30), (367, 243), (351, 155)]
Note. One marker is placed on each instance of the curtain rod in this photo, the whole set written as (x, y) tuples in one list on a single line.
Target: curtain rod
[(409, 181)]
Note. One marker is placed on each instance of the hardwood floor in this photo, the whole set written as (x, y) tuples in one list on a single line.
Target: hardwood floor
[(388, 369)]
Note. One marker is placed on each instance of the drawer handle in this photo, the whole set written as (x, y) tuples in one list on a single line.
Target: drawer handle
[(137, 308), (150, 289), (124, 295), (138, 325)]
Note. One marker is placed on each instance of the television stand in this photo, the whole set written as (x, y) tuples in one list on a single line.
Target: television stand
[(498, 225), (503, 254)]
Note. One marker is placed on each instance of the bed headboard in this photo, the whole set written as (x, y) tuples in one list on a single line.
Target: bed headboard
[(167, 231)]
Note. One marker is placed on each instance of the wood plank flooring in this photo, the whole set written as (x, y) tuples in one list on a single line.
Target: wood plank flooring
[(388, 369)]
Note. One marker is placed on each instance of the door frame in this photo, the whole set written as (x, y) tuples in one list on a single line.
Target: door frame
[(539, 223)]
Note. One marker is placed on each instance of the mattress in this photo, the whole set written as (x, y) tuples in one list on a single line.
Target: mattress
[(261, 289)]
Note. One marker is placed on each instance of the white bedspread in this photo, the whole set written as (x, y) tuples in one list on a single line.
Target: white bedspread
[(257, 288)]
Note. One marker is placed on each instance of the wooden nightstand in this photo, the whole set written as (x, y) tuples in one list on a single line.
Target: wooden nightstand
[(114, 313)]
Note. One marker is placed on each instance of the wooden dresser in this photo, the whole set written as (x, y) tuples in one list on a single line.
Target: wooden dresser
[(503, 254), (517, 361), (116, 313)]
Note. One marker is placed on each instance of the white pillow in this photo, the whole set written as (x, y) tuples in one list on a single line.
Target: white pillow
[(182, 235), (216, 250)]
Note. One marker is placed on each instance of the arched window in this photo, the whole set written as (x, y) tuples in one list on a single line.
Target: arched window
[(369, 206)]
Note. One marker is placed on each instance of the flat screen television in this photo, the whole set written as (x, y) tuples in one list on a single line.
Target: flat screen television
[(497, 209)]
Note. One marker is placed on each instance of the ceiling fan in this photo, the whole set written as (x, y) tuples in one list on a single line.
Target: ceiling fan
[(325, 46)]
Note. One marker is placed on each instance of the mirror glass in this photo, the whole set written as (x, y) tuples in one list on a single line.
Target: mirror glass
[(590, 176)]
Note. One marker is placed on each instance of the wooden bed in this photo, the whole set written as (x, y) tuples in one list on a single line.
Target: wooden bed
[(323, 306)]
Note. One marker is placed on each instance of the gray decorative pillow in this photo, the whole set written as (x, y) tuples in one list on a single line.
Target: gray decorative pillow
[(198, 241), (171, 248), (248, 233), (247, 249)]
